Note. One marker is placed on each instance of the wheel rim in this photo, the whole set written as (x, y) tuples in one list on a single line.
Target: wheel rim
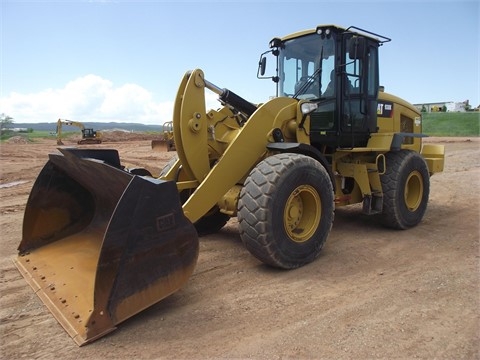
[(413, 191), (302, 213)]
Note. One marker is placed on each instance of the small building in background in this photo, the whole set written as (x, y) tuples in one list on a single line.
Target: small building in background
[(445, 106)]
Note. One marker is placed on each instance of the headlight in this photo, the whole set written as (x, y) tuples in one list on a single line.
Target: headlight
[(276, 42), (307, 107)]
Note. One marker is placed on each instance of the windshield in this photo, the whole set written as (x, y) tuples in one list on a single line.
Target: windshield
[(305, 67)]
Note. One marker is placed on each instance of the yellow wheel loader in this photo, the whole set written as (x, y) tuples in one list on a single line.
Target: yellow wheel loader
[(101, 242), (167, 143)]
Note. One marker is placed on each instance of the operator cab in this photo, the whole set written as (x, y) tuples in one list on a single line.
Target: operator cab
[(337, 69), (89, 133)]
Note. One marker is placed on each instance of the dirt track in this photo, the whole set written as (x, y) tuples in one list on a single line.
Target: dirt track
[(373, 293)]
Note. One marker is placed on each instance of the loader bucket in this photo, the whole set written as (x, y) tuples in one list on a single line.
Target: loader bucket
[(100, 244)]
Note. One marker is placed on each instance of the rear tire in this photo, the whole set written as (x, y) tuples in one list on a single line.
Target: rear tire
[(286, 210), (406, 188)]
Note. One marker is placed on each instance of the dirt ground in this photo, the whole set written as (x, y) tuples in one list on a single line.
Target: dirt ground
[(373, 292)]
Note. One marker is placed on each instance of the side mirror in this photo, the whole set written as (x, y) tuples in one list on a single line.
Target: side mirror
[(262, 64)]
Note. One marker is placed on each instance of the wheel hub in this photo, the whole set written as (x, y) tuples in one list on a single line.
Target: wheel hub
[(302, 213), (413, 191)]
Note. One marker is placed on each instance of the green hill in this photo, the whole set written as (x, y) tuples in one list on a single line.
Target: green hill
[(451, 123)]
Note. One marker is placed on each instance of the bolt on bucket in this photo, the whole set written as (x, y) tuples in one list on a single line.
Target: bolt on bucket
[(100, 244)]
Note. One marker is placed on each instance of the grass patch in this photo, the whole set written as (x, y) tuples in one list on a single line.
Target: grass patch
[(451, 124), (29, 136)]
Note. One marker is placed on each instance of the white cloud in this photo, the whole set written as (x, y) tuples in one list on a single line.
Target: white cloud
[(92, 98)]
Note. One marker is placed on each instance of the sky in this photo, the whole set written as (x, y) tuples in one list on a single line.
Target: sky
[(122, 61)]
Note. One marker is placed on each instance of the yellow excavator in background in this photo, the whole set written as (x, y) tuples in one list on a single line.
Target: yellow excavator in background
[(101, 242), (89, 136)]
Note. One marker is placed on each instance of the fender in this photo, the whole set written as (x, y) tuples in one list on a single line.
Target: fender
[(305, 149)]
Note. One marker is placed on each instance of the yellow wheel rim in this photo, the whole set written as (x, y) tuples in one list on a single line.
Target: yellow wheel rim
[(413, 191), (302, 213)]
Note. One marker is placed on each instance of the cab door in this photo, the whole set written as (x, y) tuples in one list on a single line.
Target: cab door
[(358, 91)]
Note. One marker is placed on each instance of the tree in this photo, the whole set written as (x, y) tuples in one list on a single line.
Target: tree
[(5, 121)]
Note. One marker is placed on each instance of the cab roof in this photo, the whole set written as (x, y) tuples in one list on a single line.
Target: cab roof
[(338, 29)]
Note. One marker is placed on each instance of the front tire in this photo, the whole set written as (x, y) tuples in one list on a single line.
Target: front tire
[(406, 188), (286, 210)]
